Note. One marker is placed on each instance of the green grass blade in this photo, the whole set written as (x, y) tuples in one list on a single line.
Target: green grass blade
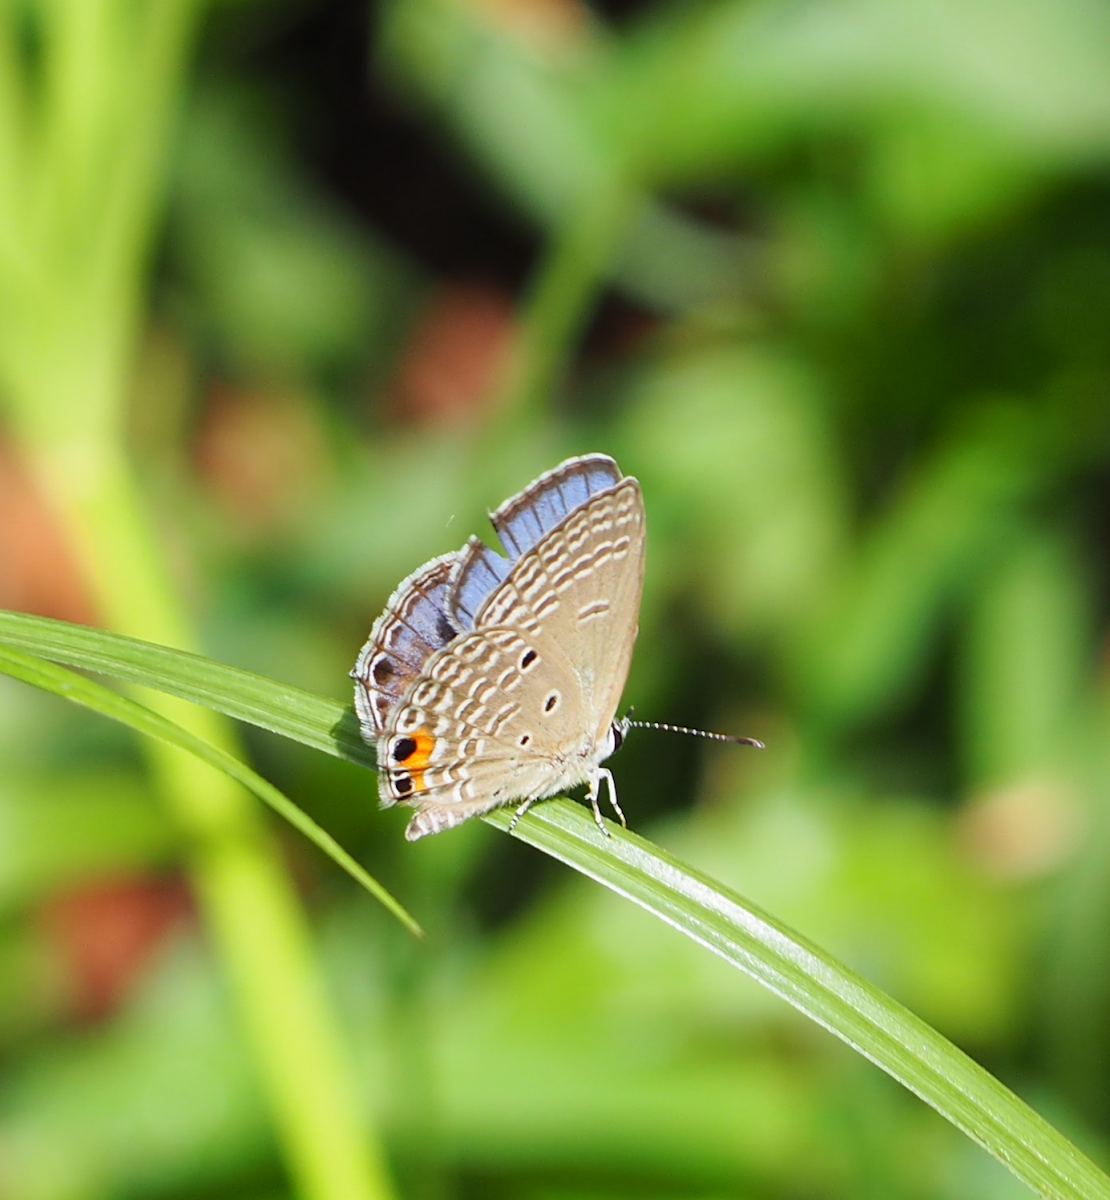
[(296, 714), (825, 990), (102, 700), (816, 984)]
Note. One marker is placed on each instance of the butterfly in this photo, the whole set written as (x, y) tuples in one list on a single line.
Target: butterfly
[(492, 678)]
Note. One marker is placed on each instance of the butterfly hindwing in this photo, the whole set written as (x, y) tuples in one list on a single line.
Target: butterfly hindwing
[(415, 624), (488, 722)]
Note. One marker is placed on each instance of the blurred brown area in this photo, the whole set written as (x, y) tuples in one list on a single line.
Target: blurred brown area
[(260, 454), (105, 932), (38, 572), (454, 356)]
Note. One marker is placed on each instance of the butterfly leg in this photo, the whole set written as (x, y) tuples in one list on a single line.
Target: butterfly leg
[(613, 794), (595, 790), (521, 810)]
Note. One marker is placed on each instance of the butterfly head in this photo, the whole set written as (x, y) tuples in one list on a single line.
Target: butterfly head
[(614, 739)]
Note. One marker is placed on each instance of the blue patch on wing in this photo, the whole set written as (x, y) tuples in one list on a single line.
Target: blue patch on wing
[(425, 620), (416, 623), (479, 573), (532, 514), (523, 521)]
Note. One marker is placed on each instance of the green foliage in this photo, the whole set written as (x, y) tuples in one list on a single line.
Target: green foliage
[(851, 265), (693, 903)]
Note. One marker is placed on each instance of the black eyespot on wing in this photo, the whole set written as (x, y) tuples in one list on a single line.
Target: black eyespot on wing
[(402, 785), (618, 738), (446, 631), (403, 748), (525, 738), (527, 659), (383, 671), (551, 703)]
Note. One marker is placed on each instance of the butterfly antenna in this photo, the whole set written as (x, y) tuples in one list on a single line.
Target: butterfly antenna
[(715, 737)]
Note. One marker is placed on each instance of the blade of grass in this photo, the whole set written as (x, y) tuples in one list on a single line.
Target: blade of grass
[(73, 324), (822, 988), (303, 717), (107, 703), (812, 981)]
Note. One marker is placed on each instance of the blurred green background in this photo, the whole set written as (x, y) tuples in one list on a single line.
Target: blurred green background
[(292, 293)]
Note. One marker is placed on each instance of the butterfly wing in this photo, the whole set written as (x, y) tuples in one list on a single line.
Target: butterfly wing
[(487, 723), (438, 600), (521, 707), (415, 624), (522, 522), (576, 594)]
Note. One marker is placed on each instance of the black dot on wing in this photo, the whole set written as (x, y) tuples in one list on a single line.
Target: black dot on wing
[(527, 659), (402, 785), (525, 738), (403, 748), (551, 703), (383, 670), (446, 631)]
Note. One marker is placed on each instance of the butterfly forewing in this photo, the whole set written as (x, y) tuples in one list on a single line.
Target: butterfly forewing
[(523, 521), (533, 513), (577, 595)]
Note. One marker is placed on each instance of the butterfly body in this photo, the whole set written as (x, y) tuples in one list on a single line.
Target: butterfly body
[(495, 678)]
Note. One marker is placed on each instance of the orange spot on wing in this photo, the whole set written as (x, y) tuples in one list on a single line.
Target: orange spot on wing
[(418, 759)]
